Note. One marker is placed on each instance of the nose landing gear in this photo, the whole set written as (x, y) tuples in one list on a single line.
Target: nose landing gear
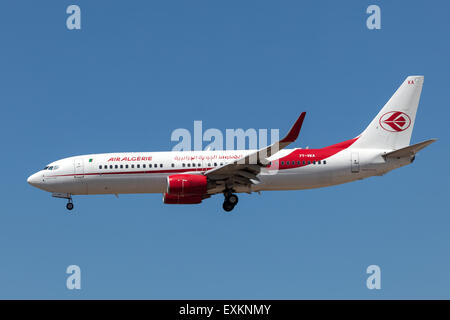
[(69, 204), (230, 202), (67, 196)]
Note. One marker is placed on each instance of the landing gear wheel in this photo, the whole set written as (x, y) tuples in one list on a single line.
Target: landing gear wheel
[(227, 206), (233, 199), (69, 206)]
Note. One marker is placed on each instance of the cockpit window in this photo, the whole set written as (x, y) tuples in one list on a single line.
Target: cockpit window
[(56, 167)]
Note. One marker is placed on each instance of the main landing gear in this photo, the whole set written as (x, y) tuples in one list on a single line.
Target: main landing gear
[(230, 201)]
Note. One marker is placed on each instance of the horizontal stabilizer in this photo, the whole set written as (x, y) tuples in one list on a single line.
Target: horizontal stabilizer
[(409, 151)]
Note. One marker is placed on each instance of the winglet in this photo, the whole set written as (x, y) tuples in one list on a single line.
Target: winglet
[(295, 130)]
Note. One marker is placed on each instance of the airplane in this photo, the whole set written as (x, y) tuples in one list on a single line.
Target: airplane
[(189, 177)]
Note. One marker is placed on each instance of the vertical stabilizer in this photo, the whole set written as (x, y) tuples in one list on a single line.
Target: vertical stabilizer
[(393, 126)]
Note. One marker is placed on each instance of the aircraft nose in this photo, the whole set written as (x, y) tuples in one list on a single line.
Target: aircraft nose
[(35, 179)]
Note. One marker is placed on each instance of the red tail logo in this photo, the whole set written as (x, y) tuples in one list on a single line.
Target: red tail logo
[(395, 121)]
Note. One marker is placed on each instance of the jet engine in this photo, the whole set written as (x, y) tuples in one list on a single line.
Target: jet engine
[(185, 189), (178, 199)]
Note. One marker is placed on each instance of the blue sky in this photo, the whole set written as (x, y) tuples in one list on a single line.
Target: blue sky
[(137, 70)]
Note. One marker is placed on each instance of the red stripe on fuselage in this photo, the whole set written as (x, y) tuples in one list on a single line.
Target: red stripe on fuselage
[(131, 172), (305, 155)]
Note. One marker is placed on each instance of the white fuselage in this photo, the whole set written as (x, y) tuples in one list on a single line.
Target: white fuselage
[(147, 172), (189, 177)]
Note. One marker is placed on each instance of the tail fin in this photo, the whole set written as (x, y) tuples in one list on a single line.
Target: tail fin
[(393, 126)]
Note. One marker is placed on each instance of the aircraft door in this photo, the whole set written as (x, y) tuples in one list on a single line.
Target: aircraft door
[(78, 164), (355, 162)]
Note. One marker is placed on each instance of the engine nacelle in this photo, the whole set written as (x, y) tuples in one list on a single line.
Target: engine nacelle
[(179, 199), (186, 185)]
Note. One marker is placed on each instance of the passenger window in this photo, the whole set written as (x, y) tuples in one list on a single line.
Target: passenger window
[(99, 167), (188, 164), (184, 164), (215, 164), (126, 166), (209, 164), (173, 165), (132, 166), (282, 163), (319, 162), (199, 164), (116, 166), (143, 166), (138, 166), (149, 165), (304, 162), (221, 163), (193, 164), (161, 165), (298, 163), (121, 166), (309, 162), (324, 161), (110, 166), (314, 162)]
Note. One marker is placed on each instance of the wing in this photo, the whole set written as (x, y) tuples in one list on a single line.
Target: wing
[(244, 171)]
